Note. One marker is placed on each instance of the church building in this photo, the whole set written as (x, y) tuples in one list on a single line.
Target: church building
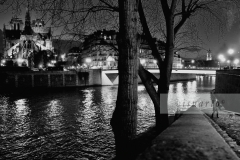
[(22, 40)]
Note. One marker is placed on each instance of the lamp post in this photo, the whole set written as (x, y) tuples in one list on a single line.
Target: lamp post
[(236, 61), (230, 52), (228, 61), (88, 61), (222, 59), (193, 61)]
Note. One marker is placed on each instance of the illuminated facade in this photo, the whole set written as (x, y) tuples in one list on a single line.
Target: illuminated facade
[(209, 55), (100, 51), (22, 41)]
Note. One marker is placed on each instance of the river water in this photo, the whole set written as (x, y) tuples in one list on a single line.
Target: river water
[(74, 123)]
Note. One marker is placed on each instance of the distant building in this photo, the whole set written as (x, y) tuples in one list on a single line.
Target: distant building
[(200, 64), (209, 55), (22, 41), (1, 43), (100, 50)]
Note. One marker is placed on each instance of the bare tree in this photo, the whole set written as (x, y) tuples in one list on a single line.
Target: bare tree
[(78, 18), (176, 13)]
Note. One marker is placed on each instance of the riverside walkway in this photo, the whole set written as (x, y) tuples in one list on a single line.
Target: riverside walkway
[(193, 137)]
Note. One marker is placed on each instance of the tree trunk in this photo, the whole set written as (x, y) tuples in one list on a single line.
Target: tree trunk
[(124, 119), (147, 82), (166, 68)]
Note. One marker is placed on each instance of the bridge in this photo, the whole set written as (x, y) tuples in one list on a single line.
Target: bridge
[(201, 71), (198, 70), (110, 76)]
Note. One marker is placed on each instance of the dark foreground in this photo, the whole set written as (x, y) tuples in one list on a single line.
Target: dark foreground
[(190, 137)]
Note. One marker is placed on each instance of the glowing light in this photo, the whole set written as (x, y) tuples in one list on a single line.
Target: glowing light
[(228, 61), (53, 61), (3, 61), (222, 58), (40, 66), (155, 61), (193, 61), (88, 60), (50, 65), (236, 61), (179, 66), (230, 51), (142, 61), (141, 88), (20, 60)]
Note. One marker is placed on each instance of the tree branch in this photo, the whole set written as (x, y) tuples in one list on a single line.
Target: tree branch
[(165, 8), (146, 80), (146, 30), (114, 8)]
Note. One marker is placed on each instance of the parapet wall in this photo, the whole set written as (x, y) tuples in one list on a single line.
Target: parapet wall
[(33, 79), (227, 81), (30, 79), (110, 77), (180, 76), (227, 89)]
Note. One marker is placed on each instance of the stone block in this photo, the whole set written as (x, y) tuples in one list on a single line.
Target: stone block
[(41, 80), (24, 81)]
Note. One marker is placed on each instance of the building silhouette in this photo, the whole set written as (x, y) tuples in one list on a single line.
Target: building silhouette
[(22, 41), (209, 55), (100, 50)]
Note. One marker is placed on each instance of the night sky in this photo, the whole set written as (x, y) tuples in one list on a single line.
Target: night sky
[(215, 41)]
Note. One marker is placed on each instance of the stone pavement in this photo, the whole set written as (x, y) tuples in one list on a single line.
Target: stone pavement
[(190, 137)]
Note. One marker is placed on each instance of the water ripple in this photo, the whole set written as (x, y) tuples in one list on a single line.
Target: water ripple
[(73, 124)]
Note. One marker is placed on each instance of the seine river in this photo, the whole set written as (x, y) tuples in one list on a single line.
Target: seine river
[(75, 123)]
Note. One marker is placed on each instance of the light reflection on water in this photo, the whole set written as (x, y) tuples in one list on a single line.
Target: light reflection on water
[(71, 124)]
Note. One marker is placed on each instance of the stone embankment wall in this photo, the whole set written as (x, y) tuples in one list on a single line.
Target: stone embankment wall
[(30, 79), (227, 81), (180, 76), (38, 79), (227, 89)]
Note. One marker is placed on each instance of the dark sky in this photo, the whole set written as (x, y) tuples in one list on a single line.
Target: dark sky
[(216, 42)]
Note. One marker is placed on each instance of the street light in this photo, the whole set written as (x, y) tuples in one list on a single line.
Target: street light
[(88, 61), (193, 61), (236, 61), (222, 59), (230, 51), (229, 64), (63, 57)]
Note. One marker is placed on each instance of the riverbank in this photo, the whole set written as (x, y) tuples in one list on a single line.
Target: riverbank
[(190, 137), (92, 77), (229, 125)]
